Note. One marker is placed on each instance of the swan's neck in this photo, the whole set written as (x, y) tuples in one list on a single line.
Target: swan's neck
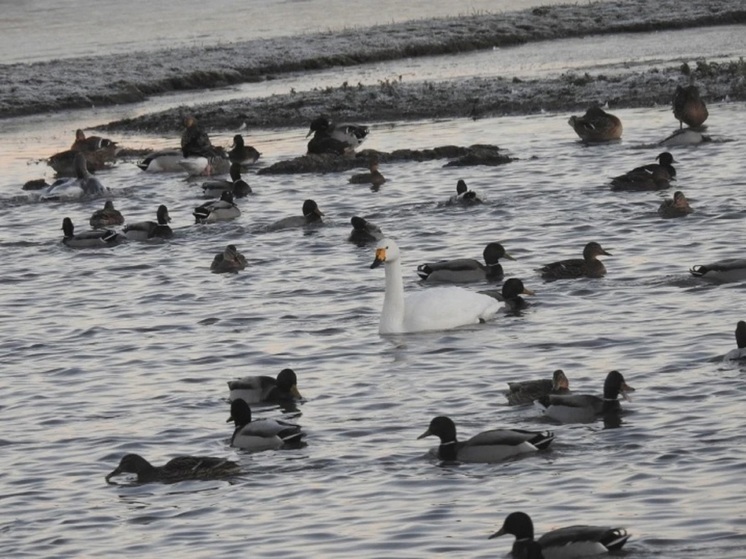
[(392, 315)]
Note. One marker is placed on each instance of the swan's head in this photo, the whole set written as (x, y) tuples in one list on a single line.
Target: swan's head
[(386, 251)]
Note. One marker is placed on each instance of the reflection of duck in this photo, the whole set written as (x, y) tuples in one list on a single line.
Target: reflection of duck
[(525, 392), (214, 188), (488, 446), (596, 125), (572, 541), (688, 107), (107, 216), (241, 153), (678, 206), (739, 352), (654, 176), (311, 215), (351, 135), (582, 408), (96, 238), (263, 434), (228, 261), (589, 266), (176, 469), (264, 389), (438, 308), (83, 185), (733, 269), (464, 270), (144, 230), (464, 196), (363, 231), (217, 210)]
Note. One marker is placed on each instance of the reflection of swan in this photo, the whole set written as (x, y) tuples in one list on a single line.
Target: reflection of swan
[(438, 308)]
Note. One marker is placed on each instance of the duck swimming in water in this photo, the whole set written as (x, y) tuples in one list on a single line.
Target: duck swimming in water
[(587, 267), (145, 230), (177, 469), (241, 153), (678, 206), (83, 185), (464, 196), (311, 215), (107, 216), (263, 434), (97, 238), (654, 176), (217, 210), (214, 188), (596, 125), (526, 391), (466, 270), (363, 231), (351, 135), (265, 389), (229, 261), (374, 177)]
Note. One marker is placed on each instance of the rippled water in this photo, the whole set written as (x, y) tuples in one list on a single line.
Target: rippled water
[(129, 349)]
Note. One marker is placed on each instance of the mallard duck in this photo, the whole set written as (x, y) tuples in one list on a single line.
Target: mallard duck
[(739, 352), (685, 137), (438, 308), (228, 261), (217, 210), (265, 389), (374, 177), (688, 106), (678, 206), (465, 270), (655, 176), (363, 231), (596, 125), (92, 143), (350, 134), (107, 216), (263, 434), (489, 446), (162, 161), (587, 267), (84, 185), (311, 215), (511, 293), (242, 154), (526, 391), (732, 269), (464, 196), (582, 408), (96, 238), (144, 230), (214, 188), (562, 543), (177, 469)]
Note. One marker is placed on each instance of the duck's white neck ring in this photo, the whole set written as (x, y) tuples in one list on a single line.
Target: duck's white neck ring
[(611, 399), (521, 540), (448, 443)]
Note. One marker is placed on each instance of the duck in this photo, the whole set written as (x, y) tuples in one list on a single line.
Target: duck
[(64, 164), (162, 161), (326, 145), (739, 352), (466, 270), (655, 176), (145, 230), (263, 434), (363, 231), (731, 269), (92, 143), (511, 293), (311, 215), (688, 107), (486, 447), (222, 209), (265, 389), (587, 267), (177, 469), (228, 261), (678, 206), (350, 134), (596, 125), (438, 308), (200, 157), (584, 408), (96, 238), (526, 391), (83, 185), (373, 177), (464, 196), (35, 184), (562, 543), (237, 186), (685, 137), (107, 216), (242, 154)]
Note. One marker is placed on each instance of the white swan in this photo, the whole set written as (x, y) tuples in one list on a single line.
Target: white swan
[(437, 308)]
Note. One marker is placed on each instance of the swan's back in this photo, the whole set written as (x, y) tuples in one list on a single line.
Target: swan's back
[(442, 308)]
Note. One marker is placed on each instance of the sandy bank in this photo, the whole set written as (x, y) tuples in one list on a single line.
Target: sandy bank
[(133, 77)]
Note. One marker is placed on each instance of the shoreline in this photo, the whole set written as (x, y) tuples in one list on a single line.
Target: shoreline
[(36, 88)]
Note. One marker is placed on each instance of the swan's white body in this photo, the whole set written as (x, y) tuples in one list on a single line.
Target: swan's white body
[(438, 308)]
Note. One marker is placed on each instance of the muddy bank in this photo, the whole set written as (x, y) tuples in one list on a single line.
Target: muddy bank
[(474, 98), (133, 77)]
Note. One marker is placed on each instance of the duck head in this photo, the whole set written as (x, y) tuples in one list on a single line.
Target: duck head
[(518, 524), (131, 464), (162, 215), (615, 385), (311, 209), (593, 250)]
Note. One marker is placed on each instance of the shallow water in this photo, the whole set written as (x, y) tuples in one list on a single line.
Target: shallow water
[(129, 350)]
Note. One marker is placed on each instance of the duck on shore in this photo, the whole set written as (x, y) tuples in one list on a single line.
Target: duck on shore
[(688, 107)]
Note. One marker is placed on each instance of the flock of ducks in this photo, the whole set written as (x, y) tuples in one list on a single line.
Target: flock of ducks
[(444, 306)]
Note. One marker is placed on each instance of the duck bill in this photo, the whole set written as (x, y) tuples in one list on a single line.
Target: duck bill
[(229, 419), (506, 255), (624, 390), (295, 392), (309, 133), (318, 212), (607, 253), (425, 434), (380, 258), (527, 291), (112, 474), (500, 532)]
